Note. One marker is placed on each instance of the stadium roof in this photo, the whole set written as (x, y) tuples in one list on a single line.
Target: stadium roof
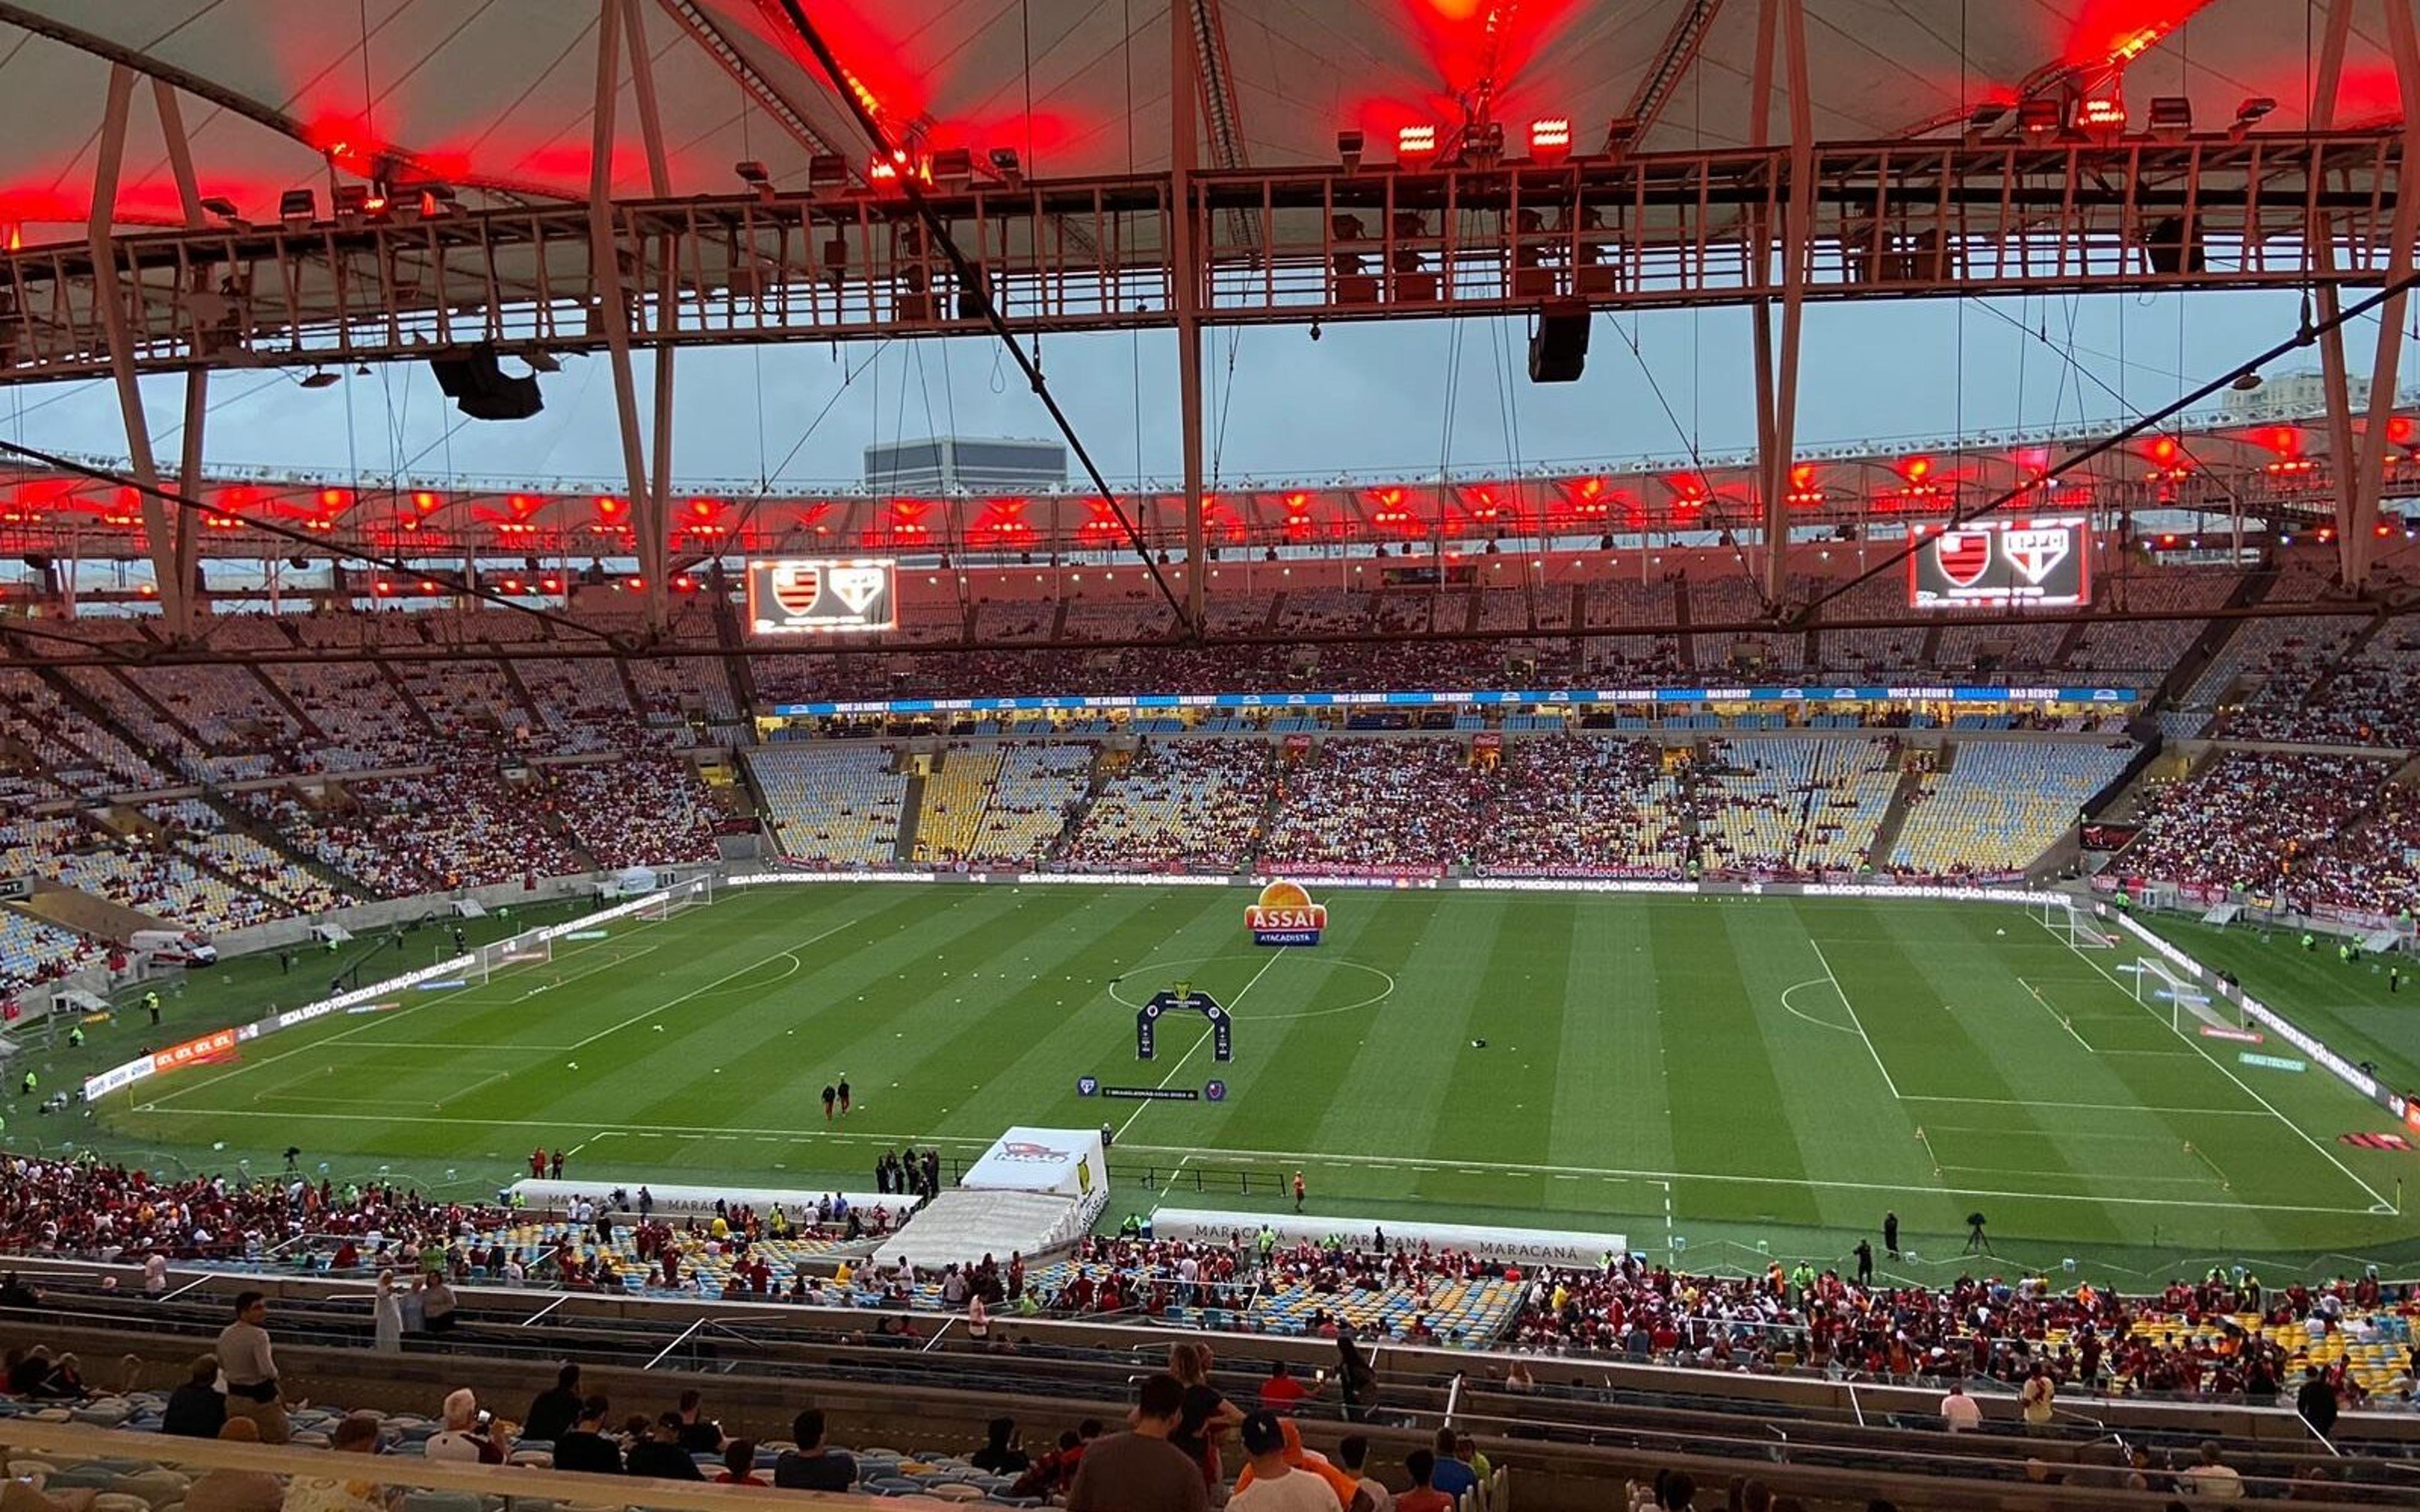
[(494, 96)]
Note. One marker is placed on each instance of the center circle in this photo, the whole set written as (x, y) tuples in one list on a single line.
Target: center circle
[(1385, 991)]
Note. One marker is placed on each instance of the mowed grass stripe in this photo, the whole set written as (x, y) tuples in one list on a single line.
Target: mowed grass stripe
[(1728, 1113), (1503, 1096)]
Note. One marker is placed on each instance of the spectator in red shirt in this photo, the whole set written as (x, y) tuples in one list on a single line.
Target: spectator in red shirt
[(1282, 1392)]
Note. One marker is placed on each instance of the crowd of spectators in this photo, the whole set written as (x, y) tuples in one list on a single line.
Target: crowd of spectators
[(1330, 800), (2282, 825), (1569, 805), (1194, 802)]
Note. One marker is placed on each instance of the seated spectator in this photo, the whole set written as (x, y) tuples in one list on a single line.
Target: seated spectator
[(468, 1437), (699, 1434), (1424, 1496), (553, 1410), (235, 1490), (1453, 1474), (813, 1466), (1002, 1454), (1960, 1414), (1267, 1481), (2211, 1480), (357, 1434), (660, 1455), (195, 1410), (1281, 1392), (586, 1447), (739, 1464)]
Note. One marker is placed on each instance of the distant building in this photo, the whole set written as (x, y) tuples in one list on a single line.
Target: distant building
[(2291, 396), (946, 463)]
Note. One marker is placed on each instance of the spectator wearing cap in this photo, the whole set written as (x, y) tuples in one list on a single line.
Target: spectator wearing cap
[(1268, 1482), (659, 1454)]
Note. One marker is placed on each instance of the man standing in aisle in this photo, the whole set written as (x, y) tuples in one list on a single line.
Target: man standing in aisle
[(250, 1372)]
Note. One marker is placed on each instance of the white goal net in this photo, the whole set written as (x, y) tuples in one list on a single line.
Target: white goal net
[(2186, 1004), (677, 897), (2079, 927), (529, 947)]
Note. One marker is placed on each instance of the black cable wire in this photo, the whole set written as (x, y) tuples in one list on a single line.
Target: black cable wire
[(971, 282), (2304, 336), (268, 527)]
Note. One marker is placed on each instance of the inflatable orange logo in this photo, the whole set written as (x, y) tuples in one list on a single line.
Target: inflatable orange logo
[(1285, 915)]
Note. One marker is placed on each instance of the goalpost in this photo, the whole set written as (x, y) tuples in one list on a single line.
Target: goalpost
[(679, 897), (2189, 1005), (529, 947), (2059, 915)]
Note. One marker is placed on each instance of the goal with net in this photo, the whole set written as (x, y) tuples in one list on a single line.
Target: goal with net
[(2187, 1005), (529, 947), (2077, 926), (677, 897)]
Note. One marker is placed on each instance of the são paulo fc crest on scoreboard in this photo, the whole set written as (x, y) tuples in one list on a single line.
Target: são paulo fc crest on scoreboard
[(1285, 915)]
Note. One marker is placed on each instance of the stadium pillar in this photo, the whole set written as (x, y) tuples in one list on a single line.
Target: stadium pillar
[(175, 603), (659, 182), (1186, 285), (605, 252), (187, 524), (2319, 234), (1778, 372), (2357, 508)]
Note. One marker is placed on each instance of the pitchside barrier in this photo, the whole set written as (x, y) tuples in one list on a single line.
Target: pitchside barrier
[(459, 970)]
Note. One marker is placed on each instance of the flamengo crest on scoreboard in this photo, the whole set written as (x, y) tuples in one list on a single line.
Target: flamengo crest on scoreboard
[(1285, 915), (813, 596), (2007, 562)]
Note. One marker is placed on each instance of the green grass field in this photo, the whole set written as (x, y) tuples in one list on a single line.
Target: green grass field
[(1703, 1075)]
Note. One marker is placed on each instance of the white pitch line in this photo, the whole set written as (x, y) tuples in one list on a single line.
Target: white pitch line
[(1791, 1009), (2192, 1042), (1207, 1033), (369, 1023), (1303, 1157), (2062, 1018), (2097, 1107), (1315, 1158), (1859, 1022), (696, 992)]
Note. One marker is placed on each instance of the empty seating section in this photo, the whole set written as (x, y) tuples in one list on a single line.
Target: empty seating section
[(2147, 648), (459, 698), (68, 752), (1623, 601), (168, 747), (1731, 599), (33, 951), (1194, 801), (2001, 805), (1985, 649), (1037, 783), (1567, 804), (202, 833), (1791, 804), (952, 811), (582, 705), (165, 886), (1375, 804), (837, 803), (1137, 616), (2286, 652), (229, 709), (338, 835), (2372, 698), (669, 688), (1015, 618), (1873, 652), (363, 723)]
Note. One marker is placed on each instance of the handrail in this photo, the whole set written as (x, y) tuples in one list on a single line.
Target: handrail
[(676, 1344)]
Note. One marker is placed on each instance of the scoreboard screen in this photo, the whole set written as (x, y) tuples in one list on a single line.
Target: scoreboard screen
[(810, 595), (2039, 563)]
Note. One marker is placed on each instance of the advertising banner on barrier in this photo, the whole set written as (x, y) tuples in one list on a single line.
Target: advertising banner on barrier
[(1544, 698), (1523, 1246), (448, 972)]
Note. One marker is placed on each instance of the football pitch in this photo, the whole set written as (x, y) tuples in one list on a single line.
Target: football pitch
[(1717, 1079)]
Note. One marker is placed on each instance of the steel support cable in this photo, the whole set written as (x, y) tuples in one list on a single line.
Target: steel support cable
[(971, 281), (268, 526), (2302, 337)]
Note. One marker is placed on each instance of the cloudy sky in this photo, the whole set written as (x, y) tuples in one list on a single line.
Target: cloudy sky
[(1393, 399)]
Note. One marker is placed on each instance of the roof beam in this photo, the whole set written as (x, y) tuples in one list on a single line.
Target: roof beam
[(784, 111), (1673, 64), (258, 112), (1220, 111)]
